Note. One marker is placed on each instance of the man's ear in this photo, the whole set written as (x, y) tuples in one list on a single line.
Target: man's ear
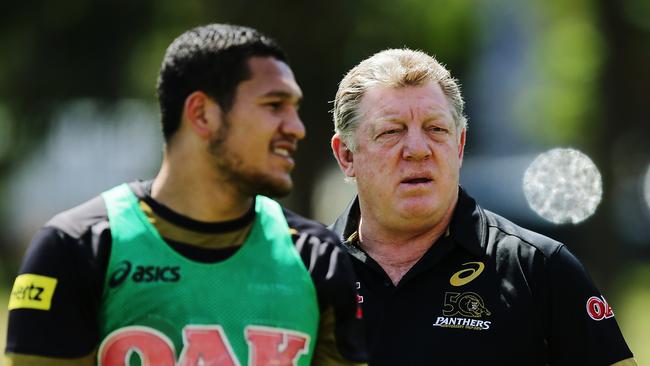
[(344, 156), (461, 144), (201, 114)]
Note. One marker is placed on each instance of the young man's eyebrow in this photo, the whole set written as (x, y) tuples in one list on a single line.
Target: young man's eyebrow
[(283, 95)]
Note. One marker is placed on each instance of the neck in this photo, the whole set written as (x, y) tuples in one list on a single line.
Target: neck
[(397, 250), (186, 185)]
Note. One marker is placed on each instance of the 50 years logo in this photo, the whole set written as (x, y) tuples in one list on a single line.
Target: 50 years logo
[(463, 311), (467, 304)]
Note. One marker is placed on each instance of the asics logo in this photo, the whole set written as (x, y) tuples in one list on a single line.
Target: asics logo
[(467, 275), (143, 273)]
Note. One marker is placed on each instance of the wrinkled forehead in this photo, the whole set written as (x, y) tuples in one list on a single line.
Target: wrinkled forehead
[(400, 103)]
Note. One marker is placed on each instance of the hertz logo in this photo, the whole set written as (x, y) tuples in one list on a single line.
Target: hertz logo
[(467, 275), (143, 273), (32, 291)]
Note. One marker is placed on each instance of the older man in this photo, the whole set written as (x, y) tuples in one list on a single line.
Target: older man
[(444, 281)]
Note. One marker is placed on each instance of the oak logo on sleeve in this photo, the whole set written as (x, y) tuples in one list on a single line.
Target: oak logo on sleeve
[(32, 291), (598, 308)]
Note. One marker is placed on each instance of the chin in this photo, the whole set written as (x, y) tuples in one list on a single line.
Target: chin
[(418, 209), (274, 187), (420, 215), (252, 183)]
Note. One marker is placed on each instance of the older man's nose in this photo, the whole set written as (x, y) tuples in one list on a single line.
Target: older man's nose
[(416, 146)]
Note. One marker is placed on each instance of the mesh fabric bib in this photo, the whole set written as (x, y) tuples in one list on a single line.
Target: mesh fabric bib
[(258, 297)]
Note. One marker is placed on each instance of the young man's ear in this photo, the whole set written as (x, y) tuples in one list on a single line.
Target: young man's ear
[(344, 156), (201, 114)]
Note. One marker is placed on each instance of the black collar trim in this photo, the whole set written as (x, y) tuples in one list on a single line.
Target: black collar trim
[(466, 215), (142, 190)]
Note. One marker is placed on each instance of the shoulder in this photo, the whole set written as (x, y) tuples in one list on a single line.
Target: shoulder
[(90, 216), (504, 235), (531, 259), (78, 238), (73, 229), (329, 266), (77, 221), (80, 234), (578, 322), (307, 228), (548, 266)]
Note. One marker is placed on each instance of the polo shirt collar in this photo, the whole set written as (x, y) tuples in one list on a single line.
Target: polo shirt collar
[(468, 226)]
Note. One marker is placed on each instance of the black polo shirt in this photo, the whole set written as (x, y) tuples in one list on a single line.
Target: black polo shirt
[(487, 293)]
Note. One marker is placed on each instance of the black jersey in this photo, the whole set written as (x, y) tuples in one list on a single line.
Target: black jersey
[(74, 248), (486, 293)]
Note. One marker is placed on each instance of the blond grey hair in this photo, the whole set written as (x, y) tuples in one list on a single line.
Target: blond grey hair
[(391, 68)]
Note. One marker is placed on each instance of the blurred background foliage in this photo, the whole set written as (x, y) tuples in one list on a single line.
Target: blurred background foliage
[(78, 112)]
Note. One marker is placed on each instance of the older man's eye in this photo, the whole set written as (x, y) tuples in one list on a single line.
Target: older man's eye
[(438, 129), (387, 133), (390, 132)]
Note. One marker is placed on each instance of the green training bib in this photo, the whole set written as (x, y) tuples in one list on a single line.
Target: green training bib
[(257, 307)]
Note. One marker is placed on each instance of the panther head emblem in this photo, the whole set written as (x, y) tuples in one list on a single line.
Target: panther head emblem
[(471, 305)]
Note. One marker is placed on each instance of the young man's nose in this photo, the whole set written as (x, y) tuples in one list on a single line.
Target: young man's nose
[(292, 125)]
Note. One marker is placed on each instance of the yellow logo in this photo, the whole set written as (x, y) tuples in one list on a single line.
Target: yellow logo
[(468, 304), (32, 291), (465, 276)]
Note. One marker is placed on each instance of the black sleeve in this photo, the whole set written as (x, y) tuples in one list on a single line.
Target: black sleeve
[(333, 276), (72, 250), (582, 327)]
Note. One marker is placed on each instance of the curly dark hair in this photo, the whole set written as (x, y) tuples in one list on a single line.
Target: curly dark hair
[(213, 59)]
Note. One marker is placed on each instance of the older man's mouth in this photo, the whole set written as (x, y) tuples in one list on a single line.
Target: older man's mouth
[(416, 182)]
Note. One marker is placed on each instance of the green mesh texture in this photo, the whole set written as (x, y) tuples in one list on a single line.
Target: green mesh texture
[(264, 283)]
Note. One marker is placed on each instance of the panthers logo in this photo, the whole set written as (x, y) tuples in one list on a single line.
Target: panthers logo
[(467, 304)]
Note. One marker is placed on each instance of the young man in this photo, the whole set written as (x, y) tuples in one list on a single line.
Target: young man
[(196, 266), (442, 280)]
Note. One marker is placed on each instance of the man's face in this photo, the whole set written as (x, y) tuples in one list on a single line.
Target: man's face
[(260, 132), (408, 156)]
